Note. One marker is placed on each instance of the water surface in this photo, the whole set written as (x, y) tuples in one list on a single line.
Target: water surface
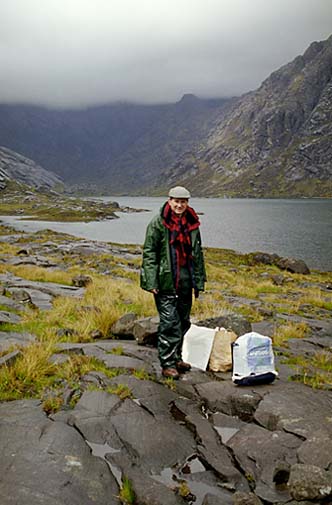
[(293, 228)]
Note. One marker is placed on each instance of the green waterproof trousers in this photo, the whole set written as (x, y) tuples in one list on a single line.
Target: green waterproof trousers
[(174, 313)]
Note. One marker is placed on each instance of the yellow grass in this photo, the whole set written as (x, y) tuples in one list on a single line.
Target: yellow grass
[(287, 331), (40, 274)]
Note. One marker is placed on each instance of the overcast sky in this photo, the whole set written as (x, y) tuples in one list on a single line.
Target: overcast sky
[(84, 52)]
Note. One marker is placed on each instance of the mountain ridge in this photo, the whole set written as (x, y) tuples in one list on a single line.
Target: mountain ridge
[(271, 142), (277, 139)]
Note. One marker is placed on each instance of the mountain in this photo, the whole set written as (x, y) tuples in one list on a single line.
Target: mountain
[(117, 147), (275, 141), (17, 169)]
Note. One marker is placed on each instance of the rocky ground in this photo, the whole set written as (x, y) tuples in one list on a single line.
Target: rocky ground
[(199, 440)]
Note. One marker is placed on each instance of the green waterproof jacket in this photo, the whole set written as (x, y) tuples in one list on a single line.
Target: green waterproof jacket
[(156, 271)]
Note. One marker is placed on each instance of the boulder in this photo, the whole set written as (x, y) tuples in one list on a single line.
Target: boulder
[(309, 482), (81, 280), (124, 327), (290, 264), (293, 265), (145, 330)]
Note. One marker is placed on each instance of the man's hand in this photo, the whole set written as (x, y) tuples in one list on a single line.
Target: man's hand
[(154, 291)]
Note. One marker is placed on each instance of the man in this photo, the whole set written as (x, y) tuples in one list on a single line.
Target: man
[(173, 266)]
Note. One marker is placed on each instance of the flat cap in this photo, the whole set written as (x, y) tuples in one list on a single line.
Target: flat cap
[(179, 192)]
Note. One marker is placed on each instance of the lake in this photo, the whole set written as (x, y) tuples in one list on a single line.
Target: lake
[(288, 227)]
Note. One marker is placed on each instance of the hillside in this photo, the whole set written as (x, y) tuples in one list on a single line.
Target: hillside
[(275, 141), (19, 170)]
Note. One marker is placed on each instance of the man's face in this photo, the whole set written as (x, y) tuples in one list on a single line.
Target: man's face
[(178, 205)]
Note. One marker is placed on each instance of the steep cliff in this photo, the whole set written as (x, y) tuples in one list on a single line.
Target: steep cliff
[(274, 141)]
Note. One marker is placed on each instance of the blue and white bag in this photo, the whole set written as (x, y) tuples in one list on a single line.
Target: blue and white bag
[(253, 360)]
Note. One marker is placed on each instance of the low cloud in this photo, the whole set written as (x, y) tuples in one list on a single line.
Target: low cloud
[(73, 53)]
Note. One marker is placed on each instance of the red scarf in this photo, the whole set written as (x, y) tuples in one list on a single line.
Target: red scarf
[(180, 228)]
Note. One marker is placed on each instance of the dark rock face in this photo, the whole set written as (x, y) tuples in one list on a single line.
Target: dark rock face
[(48, 462), (228, 444)]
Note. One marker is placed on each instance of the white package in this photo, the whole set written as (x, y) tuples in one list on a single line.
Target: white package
[(252, 355), (197, 346)]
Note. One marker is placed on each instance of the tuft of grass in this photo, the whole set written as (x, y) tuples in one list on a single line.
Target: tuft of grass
[(127, 493), (142, 374), (121, 390), (52, 404), (289, 330), (30, 374), (117, 350), (170, 383), (184, 490), (315, 372), (317, 298)]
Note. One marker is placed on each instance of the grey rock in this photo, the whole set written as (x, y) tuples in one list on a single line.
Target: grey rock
[(63, 470), (314, 324), (309, 482), (91, 416), (258, 452), (32, 260), (215, 454), (264, 327), (10, 339), (124, 327), (135, 426), (117, 361), (153, 397), (205, 485), (316, 450), (96, 334), (229, 399), (296, 409), (148, 490), (293, 265), (37, 298), (51, 288), (145, 330), (246, 499), (9, 317), (211, 499), (21, 296), (10, 358), (230, 321), (81, 280), (11, 304)]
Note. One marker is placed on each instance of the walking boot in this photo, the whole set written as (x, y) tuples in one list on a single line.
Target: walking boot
[(170, 373), (182, 366)]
